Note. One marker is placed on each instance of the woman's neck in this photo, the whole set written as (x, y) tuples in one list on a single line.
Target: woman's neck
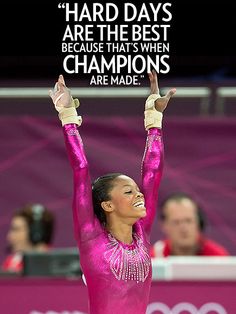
[(122, 232)]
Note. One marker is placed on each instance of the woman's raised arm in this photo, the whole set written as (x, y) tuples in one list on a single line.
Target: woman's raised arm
[(152, 163), (85, 224)]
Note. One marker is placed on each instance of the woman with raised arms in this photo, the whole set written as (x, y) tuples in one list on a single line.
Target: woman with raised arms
[(113, 216)]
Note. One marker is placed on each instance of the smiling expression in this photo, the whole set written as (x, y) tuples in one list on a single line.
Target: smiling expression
[(126, 199)]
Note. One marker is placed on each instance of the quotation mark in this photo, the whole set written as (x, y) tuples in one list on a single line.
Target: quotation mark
[(61, 5)]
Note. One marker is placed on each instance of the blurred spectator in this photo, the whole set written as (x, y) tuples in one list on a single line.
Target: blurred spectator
[(31, 229), (183, 224)]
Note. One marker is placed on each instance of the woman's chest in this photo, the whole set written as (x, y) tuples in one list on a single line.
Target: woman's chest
[(109, 257)]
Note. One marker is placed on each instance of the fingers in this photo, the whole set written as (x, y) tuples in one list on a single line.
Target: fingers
[(154, 85), (61, 86), (51, 93), (55, 87), (152, 75), (153, 82), (171, 93), (55, 98), (59, 90), (61, 79), (58, 98)]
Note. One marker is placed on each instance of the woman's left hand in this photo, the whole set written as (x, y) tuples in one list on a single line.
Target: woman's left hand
[(162, 102)]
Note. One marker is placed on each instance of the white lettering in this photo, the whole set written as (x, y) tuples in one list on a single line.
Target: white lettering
[(206, 308)]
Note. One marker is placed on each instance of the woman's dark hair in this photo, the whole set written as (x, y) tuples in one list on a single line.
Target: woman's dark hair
[(40, 221), (101, 188)]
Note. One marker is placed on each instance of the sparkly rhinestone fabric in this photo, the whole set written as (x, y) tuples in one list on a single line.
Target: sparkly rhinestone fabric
[(128, 262)]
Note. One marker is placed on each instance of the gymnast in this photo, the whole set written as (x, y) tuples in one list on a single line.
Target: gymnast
[(112, 216)]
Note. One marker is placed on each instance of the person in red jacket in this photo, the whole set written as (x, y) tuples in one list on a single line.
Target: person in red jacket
[(183, 224)]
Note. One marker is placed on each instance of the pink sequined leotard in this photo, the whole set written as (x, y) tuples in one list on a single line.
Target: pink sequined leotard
[(118, 275)]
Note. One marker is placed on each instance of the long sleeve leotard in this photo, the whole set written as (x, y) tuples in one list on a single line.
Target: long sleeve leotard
[(118, 275)]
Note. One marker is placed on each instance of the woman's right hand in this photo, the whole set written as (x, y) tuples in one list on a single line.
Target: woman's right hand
[(61, 95)]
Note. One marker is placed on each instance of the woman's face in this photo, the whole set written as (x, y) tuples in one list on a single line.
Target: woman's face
[(126, 199), (18, 235)]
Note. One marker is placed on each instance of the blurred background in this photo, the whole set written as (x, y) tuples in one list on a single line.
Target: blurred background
[(199, 124)]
